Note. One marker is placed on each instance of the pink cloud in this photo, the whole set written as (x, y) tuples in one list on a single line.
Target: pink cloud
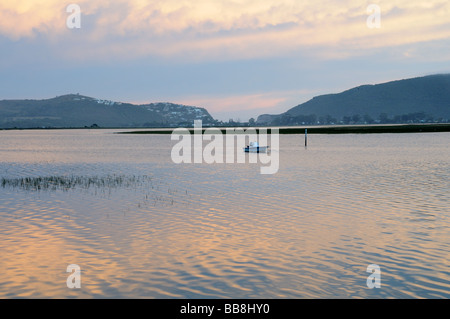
[(225, 29)]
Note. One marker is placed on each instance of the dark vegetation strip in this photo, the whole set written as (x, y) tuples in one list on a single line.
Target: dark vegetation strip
[(336, 129)]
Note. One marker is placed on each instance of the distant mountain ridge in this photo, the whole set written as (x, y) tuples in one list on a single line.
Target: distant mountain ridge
[(74, 110), (418, 99)]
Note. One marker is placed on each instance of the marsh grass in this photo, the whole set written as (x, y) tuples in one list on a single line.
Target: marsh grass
[(152, 191), (66, 183)]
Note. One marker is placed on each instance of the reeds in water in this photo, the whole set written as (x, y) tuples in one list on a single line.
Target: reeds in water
[(73, 182), (153, 191)]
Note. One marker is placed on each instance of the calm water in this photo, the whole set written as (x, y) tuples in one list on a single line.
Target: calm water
[(148, 228)]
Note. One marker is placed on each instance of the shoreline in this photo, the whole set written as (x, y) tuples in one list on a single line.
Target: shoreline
[(317, 129), (335, 129)]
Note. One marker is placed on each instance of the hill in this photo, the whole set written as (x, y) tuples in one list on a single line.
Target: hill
[(422, 99), (74, 110)]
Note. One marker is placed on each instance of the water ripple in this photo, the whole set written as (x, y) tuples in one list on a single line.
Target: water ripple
[(224, 231)]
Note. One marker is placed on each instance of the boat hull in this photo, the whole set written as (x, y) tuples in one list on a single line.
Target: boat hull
[(256, 149)]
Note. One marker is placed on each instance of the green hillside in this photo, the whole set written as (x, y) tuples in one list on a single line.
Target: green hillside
[(423, 99), (74, 110)]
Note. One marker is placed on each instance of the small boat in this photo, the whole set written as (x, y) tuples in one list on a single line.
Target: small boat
[(255, 148)]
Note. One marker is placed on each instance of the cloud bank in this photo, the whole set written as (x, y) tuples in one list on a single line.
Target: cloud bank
[(223, 29)]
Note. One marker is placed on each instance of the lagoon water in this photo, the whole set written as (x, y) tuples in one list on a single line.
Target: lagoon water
[(140, 226)]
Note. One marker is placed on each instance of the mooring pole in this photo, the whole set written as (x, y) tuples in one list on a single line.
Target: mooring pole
[(306, 137)]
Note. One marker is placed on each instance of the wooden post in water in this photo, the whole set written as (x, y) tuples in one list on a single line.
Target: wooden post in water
[(306, 137)]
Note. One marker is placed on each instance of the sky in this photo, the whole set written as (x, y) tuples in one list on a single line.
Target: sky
[(236, 58)]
